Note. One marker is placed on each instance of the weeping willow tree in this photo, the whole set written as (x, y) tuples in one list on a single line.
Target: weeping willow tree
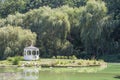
[(13, 40), (74, 16), (90, 32), (85, 31), (52, 29)]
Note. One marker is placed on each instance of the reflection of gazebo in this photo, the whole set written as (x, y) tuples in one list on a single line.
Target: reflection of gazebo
[(30, 73), (31, 53)]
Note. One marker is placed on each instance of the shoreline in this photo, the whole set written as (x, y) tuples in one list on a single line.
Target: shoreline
[(55, 63)]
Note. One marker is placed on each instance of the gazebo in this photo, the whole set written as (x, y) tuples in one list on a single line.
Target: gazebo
[(31, 53)]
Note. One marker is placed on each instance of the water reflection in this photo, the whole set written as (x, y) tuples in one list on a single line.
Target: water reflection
[(19, 74), (30, 73), (10, 76), (92, 69), (76, 69), (35, 73)]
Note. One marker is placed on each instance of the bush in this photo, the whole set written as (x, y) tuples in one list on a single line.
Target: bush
[(9, 58), (79, 63), (58, 57), (53, 57), (70, 57), (101, 60), (16, 60), (62, 57), (65, 57), (95, 62), (88, 63), (73, 61), (29, 65), (74, 57), (57, 62)]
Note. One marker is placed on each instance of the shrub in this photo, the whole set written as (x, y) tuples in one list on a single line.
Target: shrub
[(29, 65), (21, 58), (101, 60), (73, 61), (54, 57), (94, 62), (9, 58), (65, 57), (79, 63), (70, 57), (88, 63), (16, 60), (57, 62), (70, 61), (62, 57), (54, 64), (46, 65), (61, 63), (58, 57), (73, 57)]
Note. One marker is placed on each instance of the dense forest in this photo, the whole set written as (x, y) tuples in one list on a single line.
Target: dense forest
[(84, 28)]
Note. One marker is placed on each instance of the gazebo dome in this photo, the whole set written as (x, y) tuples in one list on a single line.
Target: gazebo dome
[(31, 53), (31, 48)]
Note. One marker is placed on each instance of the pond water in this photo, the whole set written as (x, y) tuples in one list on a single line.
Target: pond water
[(110, 72)]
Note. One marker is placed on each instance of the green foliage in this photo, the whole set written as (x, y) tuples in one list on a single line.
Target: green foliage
[(13, 40), (82, 28), (58, 57), (74, 57), (79, 63), (53, 57), (16, 60), (10, 59), (52, 29), (12, 6)]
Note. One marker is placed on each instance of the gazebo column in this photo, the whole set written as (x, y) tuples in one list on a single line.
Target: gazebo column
[(31, 52), (36, 52), (26, 52)]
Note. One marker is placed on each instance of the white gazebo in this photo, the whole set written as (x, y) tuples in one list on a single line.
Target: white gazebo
[(31, 53)]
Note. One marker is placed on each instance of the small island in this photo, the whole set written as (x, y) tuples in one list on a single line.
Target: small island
[(31, 58), (73, 62)]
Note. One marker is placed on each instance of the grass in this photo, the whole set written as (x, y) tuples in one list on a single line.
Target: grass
[(18, 61), (69, 63)]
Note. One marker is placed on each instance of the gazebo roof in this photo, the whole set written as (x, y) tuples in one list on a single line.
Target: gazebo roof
[(31, 48)]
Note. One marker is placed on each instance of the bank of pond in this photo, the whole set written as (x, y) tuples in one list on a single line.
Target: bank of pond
[(109, 72), (18, 62)]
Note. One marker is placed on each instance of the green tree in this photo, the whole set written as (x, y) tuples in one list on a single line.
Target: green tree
[(90, 31), (52, 29), (13, 40)]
